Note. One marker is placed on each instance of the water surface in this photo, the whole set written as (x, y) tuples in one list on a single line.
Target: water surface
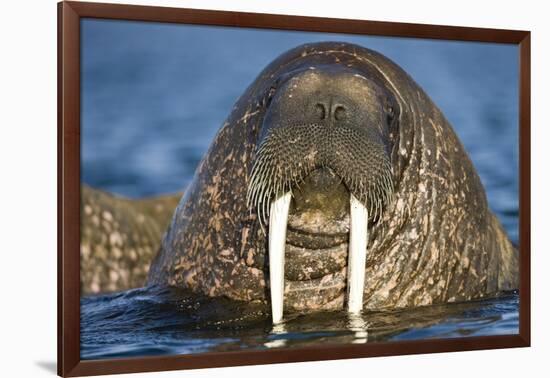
[(162, 321)]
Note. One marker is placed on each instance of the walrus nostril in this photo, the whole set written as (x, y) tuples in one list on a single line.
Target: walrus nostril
[(336, 112), (339, 112), (320, 111)]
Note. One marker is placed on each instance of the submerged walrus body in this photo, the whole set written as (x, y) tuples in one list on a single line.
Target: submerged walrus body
[(119, 237), (326, 124)]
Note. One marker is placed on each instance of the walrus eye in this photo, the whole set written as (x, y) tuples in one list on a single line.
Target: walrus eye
[(389, 110), (269, 96)]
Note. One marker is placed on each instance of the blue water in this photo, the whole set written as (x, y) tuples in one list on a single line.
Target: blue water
[(157, 321), (153, 97)]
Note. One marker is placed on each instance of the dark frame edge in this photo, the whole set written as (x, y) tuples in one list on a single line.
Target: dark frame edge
[(69, 14), (525, 186), (292, 22), (59, 191), (68, 165), (322, 353)]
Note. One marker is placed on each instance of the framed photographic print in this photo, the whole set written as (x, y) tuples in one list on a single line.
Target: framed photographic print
[(239, 188)]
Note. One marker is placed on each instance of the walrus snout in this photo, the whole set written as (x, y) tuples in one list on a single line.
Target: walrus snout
[(322, 190), (322, 171), (325, 118)]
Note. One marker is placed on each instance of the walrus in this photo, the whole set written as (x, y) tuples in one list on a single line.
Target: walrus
[(119, 237), (336, 182)]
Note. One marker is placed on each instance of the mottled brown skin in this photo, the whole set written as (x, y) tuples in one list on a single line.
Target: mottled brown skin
[(435, 242), (119, 238)]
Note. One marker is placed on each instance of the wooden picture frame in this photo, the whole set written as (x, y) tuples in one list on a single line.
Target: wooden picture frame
[(69, 16)]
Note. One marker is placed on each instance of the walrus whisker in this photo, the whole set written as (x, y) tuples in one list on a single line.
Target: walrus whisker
[(371, 203), (265, 205), (262, 192)]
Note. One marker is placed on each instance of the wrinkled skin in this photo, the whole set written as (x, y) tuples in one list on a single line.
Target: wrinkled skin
[(434, 241)]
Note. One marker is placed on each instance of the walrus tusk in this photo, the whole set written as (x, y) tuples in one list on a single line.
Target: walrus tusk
[(359, 327), (358, 235), (277, 241)]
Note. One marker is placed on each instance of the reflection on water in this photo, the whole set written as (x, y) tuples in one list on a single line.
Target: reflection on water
[(359, 326), (277, 336), (157, 321), (153, 97)]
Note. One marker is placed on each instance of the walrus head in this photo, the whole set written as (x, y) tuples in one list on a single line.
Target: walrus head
[(323, 163)]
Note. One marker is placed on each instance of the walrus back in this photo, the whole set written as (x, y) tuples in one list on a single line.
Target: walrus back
[(119, 238)]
